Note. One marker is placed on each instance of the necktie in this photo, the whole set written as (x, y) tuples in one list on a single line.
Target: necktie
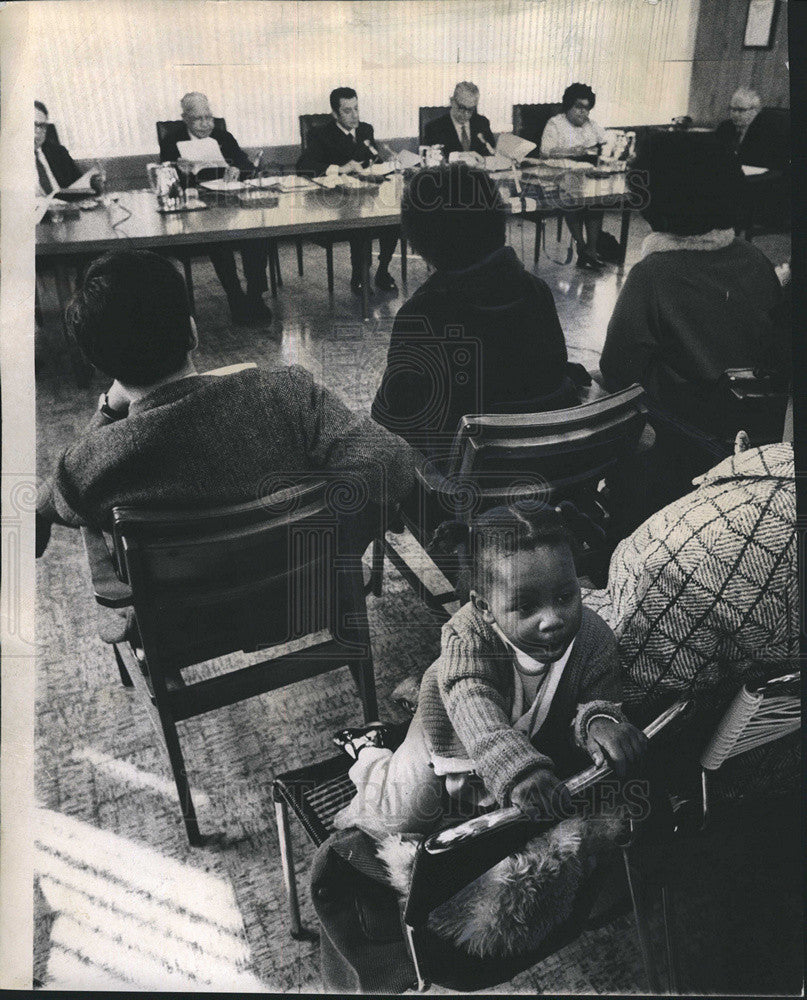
[(44, 180), (466, 139)]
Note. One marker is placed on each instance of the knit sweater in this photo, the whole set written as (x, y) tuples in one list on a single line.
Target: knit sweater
[(706, 590), (211, 440), (466, 697)]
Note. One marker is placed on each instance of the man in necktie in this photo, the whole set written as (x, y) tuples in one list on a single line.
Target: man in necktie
[(55, 168), (463, 129), (346, 145)]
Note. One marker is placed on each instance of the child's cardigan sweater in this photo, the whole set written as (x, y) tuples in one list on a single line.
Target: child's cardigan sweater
[(466, 697)]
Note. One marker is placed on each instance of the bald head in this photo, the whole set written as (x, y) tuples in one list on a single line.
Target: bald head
[(197, 115), (744, 108)]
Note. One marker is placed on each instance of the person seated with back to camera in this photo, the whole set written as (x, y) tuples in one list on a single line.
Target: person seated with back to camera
[(164, 436), (699, 302), (482, 334), (525, 692)]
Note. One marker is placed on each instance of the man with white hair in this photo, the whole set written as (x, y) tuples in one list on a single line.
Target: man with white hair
[(198, 123), (463, 129), (758, 135)]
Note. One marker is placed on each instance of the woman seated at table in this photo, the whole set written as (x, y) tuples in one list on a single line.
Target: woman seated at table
[(482, 334), (699, 301), (573, 135)]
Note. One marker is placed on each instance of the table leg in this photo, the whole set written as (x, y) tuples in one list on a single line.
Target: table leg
[(403, 260), (539, 228), (186, 266), (367, 246), (271, 261), (64, 289), (623, 236)]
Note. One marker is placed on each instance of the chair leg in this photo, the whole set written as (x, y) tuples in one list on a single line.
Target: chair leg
[(403, 260), (641, 913), (329, 266), (273, 269), (298, 932), (669, 944), (177, 761), (539, 228), (126, 680), (377, 571), (186, 267), (300, 257), (364, 676), (276, 255)]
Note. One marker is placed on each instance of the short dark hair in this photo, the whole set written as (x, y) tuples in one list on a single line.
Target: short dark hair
[(41, 107), (576, 91), (693, 181), (453, 215), (341, 94), (492, 536), (131, 318)]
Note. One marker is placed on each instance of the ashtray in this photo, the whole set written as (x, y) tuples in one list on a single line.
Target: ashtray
[(183, 206)]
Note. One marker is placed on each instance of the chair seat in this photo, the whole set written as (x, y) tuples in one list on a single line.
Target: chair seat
[(315, 793)]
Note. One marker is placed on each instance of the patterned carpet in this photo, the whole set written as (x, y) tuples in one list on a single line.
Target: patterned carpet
[(122, 901)]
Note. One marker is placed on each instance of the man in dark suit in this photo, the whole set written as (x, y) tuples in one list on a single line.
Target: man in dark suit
[(346, 145), (462, 129), (760, 138), (197, 123), (54, 165)]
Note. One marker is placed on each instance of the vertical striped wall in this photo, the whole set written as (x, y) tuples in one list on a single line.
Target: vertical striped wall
[(110, 68)]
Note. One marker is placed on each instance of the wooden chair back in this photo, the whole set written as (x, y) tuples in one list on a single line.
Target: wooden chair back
[(529, 120), (310, 122), (210, 582)]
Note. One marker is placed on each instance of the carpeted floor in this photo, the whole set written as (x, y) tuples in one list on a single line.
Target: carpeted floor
[(122, 901)]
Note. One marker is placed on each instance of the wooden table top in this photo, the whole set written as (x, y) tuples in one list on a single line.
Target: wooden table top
[(297, 213)]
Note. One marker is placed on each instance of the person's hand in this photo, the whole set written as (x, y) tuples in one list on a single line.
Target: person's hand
[(351, 167), (477, 159), (231, 173), (580, 150), (118, 399), (542, 796), (620, 743)]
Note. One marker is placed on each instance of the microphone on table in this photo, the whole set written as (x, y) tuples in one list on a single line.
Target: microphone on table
[(486, 144), (372, 148)]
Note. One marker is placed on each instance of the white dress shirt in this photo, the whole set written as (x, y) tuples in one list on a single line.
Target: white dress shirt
[(559, 131)]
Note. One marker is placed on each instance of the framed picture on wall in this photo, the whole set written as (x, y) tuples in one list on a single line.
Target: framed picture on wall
[(760, 24)]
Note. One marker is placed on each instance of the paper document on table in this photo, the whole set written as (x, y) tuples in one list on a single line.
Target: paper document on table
[(220, 184), (753, 171), (205, 151), (408, 159), (513, 146), (82, 185), (495, 163)]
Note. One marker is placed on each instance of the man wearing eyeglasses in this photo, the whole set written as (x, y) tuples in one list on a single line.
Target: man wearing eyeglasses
[(758, 135), (55, 168), (761, 139), (463, 129)]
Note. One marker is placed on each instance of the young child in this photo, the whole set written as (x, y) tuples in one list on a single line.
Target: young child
[(525, 691)]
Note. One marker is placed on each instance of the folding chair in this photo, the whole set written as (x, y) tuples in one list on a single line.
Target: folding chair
[(516, 458), (251, 577), (445, 862)]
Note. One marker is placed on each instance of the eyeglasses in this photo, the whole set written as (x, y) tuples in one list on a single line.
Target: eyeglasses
[(463, 107), (751, 107), (40, 124)]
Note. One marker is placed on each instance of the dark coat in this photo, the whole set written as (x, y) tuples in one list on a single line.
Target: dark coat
[(328, 144), (441, 131), (766, 142), (61, 163), (480, 340), (230, 150)]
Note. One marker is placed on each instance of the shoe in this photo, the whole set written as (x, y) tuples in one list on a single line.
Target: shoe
[(385, 281), (587, 260), (353, 740)]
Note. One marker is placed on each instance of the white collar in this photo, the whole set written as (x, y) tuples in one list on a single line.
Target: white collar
[(715, 239), (347, 131)]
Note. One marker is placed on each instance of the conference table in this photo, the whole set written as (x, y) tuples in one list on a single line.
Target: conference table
[(131, 218)]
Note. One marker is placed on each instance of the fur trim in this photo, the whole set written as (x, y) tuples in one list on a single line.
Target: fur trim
[(512, 907), (715, 239)]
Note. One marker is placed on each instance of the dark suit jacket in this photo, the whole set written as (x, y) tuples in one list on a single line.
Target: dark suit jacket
[(765, 143), (61, 163), (442, 131), (329, 144), (230, 150)]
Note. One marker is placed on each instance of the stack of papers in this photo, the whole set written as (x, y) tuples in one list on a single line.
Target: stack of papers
[(513, 146), (202, 151), (408, 159), (220, 184)]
